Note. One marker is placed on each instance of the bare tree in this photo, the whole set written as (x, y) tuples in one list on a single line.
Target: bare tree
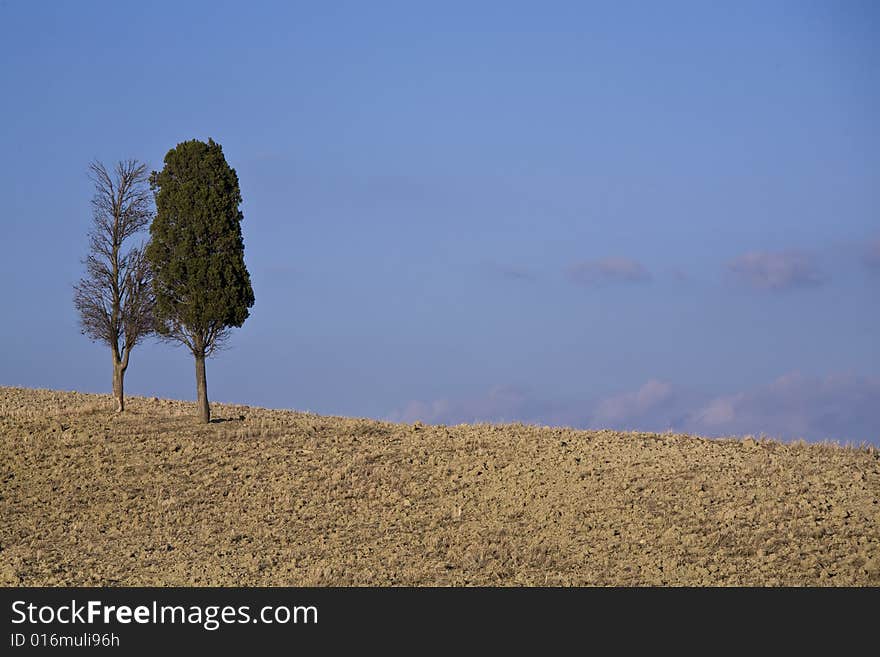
[(115, 298)]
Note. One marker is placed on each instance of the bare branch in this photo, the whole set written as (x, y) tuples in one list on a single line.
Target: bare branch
[(115, 298)]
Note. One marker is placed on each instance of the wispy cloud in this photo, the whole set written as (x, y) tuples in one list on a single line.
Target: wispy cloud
[(632, 406), (842, 407), (499, 404), (836, 407), (607, 270), (777, 271)]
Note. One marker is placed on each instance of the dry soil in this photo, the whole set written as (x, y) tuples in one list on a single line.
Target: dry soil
[(267, 497)]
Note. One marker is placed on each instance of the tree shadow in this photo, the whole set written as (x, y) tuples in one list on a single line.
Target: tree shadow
[(220, 420)]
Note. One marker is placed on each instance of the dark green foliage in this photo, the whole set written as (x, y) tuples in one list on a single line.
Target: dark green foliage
[(196, 251)]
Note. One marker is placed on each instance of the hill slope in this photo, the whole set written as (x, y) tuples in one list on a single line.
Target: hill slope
[(269, 497)]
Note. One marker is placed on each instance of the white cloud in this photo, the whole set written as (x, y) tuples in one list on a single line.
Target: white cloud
[(777, 271)]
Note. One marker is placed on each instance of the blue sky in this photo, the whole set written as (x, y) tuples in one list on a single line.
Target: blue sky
[(635, 215)]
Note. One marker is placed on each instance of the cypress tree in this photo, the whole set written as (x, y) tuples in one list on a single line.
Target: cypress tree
[(196, 253)]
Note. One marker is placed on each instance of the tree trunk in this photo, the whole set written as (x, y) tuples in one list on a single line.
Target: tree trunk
[(118, 380), (202, 387)]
